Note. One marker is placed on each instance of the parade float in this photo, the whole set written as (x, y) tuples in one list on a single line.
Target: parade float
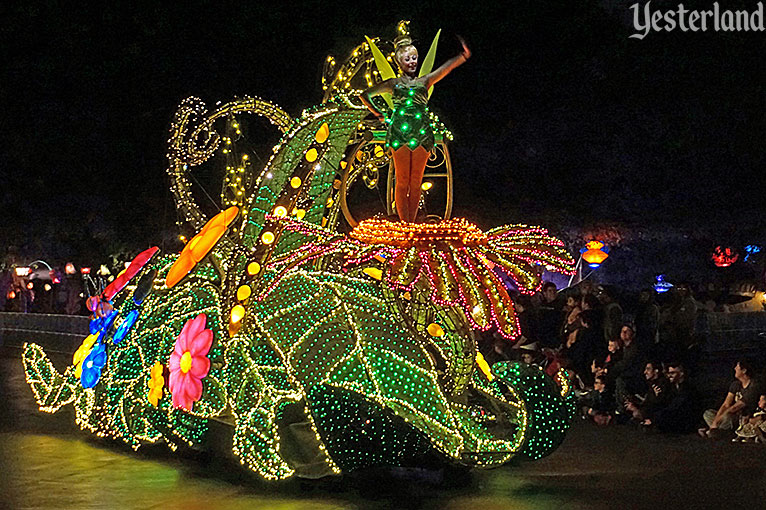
[(324, 342)]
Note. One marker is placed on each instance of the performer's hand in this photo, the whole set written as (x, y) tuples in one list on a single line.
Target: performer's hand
[(466, 52)]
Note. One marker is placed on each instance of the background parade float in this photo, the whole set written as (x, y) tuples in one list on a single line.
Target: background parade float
[(325, 343)]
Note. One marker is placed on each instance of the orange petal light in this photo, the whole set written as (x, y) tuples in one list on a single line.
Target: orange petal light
[(200, 245)]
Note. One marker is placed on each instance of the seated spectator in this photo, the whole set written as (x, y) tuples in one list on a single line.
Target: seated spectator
[(680, 414), (530, 355), (598, 405), (627, 372), (742, 399), (753, 428), (498, 349), (657, 397), (597, 367)]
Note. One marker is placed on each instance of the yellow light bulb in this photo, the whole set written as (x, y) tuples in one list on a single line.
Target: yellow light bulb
[(435, 330), (253, 268), (426, 185), (311, 155), (237, 313), (373, 272), (484, 366), (295, 182), (243, 292), (267, 237), (322, 133), (280, 211)]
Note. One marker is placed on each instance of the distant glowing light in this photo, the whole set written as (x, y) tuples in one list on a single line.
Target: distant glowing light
[(595, 253), (661, 286), (724, 257), (750, 251)]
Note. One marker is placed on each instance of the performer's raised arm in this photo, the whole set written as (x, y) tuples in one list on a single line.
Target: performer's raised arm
[(435, 76)]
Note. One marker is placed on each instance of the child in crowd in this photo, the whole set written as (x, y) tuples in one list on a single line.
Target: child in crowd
[(753, 429), (598, 404), (614, 355)]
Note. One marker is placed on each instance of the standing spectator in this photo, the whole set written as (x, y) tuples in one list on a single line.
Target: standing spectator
[(572, 312), (612, 316), (6, 285), (524, 314), (549, 317), (680, 415), (582, 346), (683, 317), (647, 321), (742, 398), (591, 302), (585, 287)]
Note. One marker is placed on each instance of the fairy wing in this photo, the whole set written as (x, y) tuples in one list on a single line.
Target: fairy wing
[(428, 63), (384, 68)]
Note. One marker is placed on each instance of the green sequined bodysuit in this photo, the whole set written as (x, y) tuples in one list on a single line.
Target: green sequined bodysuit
[(410, 124)]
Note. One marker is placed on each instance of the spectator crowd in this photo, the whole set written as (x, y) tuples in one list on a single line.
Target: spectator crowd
[(633, 362)]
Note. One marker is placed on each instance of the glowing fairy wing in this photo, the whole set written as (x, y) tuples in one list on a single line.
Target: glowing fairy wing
[(384, 68), (428, 63)]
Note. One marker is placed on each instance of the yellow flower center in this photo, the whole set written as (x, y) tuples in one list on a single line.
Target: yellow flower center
[(186, 362)]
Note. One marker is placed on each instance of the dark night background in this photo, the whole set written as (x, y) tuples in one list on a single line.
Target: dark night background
[(559, 118)]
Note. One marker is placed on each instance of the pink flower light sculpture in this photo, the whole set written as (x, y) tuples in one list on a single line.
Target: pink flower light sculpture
[(189, 363)]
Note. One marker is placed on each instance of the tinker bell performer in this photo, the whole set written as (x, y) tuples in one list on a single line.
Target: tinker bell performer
[(410, 138)]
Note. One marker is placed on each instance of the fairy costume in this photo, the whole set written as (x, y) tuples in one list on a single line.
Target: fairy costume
[(409, 123)]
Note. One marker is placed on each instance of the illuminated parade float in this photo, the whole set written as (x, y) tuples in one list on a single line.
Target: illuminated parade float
[(323, 342)]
